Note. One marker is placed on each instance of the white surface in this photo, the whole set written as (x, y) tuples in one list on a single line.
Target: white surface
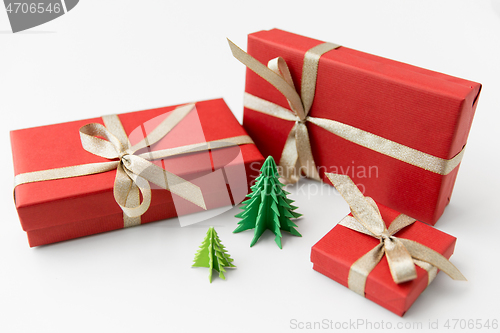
[(116, 56)]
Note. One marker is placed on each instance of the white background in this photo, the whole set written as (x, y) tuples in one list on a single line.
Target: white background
[(116, 56)]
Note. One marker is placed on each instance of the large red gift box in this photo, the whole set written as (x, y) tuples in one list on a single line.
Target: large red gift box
[(335, 253), (62, 209), (421, 109)]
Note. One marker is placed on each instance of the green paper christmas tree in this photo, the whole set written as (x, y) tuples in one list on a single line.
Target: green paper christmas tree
[(213, 254), (267, 207)]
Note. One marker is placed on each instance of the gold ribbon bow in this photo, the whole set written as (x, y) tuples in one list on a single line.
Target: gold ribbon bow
[(134, 172), (402, 254), (296, 156)]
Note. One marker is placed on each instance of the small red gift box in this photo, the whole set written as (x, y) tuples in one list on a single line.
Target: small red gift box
[(56, 210), (336, 252), (420, 116)]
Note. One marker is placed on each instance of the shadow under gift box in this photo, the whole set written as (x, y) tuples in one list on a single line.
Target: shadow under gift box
[(421, 109), (334, 254), (57, 210)]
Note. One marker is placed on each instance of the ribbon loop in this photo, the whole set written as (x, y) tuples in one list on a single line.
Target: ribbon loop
[(152, 173), (124, 190), (269, 75), (89, 136)]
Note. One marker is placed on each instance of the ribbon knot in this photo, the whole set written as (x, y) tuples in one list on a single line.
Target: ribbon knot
[(402, 254), (122, 153), (390, 243), (125, 159)]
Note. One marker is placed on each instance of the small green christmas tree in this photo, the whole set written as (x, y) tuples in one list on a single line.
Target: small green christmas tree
[(213, 254), (267, 207)]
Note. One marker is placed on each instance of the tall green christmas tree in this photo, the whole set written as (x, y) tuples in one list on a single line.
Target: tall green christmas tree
[(267, 207), (213, 254)]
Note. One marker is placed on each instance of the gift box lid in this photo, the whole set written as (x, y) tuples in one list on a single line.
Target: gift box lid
[(334, 254), (58, 145)]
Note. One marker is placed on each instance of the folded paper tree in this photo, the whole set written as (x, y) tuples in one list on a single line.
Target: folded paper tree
[(268, 207)]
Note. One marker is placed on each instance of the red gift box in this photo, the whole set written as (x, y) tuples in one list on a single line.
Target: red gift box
[(62, 209), (335, 253), (420, 109)]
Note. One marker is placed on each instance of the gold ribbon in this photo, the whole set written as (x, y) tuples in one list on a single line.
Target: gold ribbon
[(402, 254), (134, 172), (297, 155)]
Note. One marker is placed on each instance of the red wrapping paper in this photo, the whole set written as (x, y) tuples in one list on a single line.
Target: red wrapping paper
[(57, 210), (421, 109), (335, 253)]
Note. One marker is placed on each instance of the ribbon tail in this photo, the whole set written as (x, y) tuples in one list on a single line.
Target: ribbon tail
[(133, 200), (279, 66), (421, 252), (150, 172), (400, 261), (359, 271), (267, 74), (184, 189), (304, 151), (400, 222), (353, 224), (431, 270), (289, 158), (365, 213)]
